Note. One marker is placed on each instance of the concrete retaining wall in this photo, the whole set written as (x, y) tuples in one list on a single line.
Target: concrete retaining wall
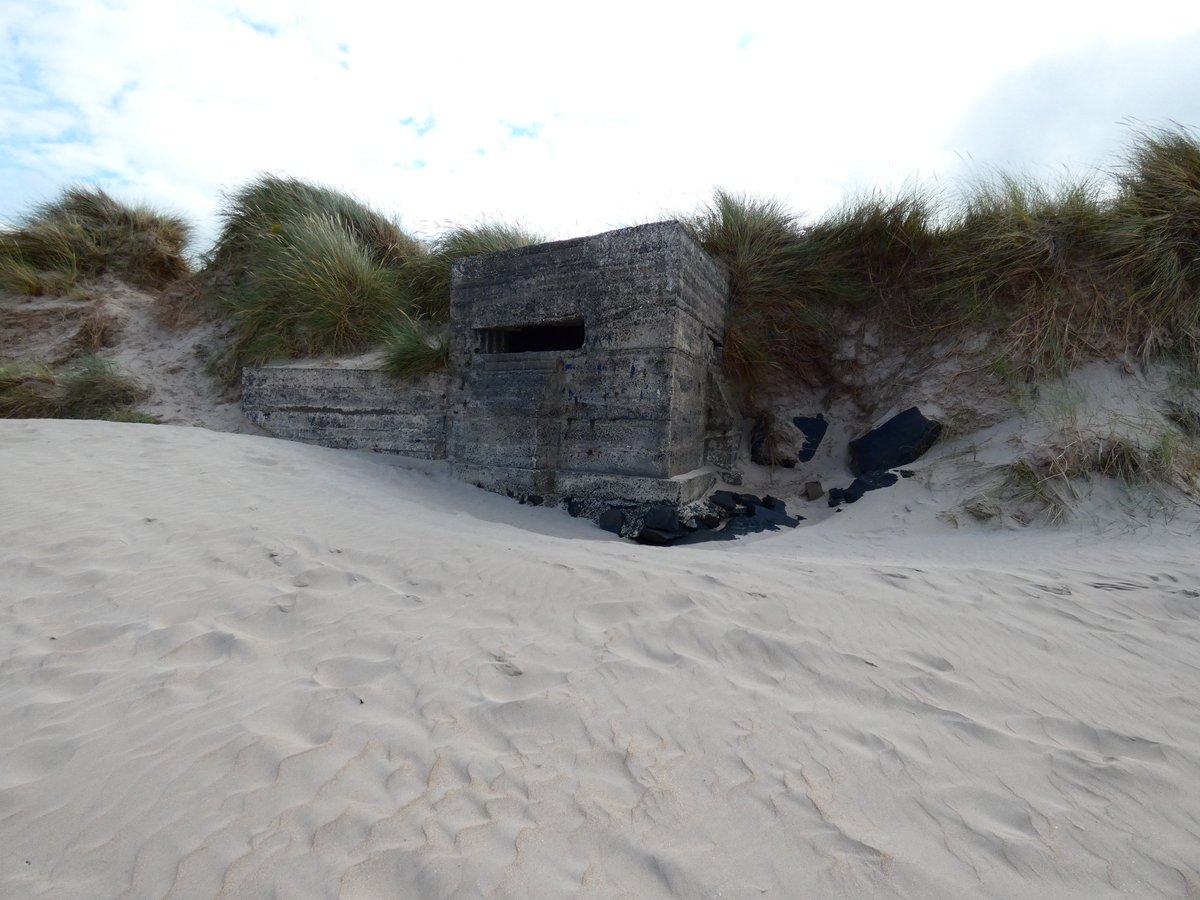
[(349, 408)]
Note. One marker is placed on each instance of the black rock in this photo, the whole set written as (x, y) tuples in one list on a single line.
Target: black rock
[(727, 516), (907, 473), (657, 538), (762, 519), (900, 440), (870, 481), (535, 499), (873, 481), (612, 520), (574, 508), (727, 500), (661, 518), (813, 429)]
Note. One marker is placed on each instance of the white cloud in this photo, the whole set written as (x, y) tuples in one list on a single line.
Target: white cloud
[(641, 108), (1077, 112)]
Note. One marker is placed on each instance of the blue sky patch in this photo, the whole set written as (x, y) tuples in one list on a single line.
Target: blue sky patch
[(532, 130), (421, 128), (266, 29)]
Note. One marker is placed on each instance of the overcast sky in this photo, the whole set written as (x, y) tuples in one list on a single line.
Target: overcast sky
[(573, 118)]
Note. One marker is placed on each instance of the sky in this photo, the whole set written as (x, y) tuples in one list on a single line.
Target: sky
[(574, 118)]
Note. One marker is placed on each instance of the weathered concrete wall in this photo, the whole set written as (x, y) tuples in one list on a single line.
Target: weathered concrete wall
[(349, 408), (631, 399), (586, 369)]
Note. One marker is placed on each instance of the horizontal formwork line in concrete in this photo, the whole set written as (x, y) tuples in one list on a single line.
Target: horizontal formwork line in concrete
[(324, 418), (370, 411), (260, 398), (417, 423), (348, 444), (381, 441), (514, 423), (631, 409), (392, 412), (332, 379), (552, 263), (373, 439)]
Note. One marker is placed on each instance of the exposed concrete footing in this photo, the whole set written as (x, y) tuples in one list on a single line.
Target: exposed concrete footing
[(589, 488)]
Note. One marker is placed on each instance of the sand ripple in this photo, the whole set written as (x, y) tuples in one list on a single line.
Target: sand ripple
[(234, 667)]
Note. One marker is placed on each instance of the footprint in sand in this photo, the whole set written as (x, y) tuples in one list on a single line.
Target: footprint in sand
[(502, 680)]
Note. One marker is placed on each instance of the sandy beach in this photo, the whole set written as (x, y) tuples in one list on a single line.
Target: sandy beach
[(232, 666), (463, 453)]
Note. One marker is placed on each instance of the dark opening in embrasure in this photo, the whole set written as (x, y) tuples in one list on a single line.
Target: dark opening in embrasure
[(531, 338)]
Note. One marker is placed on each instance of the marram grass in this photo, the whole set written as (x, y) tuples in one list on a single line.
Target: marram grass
[(429, 276), (411, 349), (86, 233), (89, 388), (1058, 272), (302, 269)]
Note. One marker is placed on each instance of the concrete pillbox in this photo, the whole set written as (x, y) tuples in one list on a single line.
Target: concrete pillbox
[(594, 356)]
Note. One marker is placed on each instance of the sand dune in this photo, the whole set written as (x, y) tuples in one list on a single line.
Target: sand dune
[(237, 667)]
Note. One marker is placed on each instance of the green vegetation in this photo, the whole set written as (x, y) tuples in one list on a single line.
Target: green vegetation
[(771, 327), (411, 348), (1061, 273), (1035, 263), (90, 388), (429, 276), (86, 233), (1157, 233), (302, 269), (1056, 273)]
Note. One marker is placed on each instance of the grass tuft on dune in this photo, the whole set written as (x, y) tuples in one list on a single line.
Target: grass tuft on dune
[(89, 388), (86, 233), (302, 269), (1059, 273)]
